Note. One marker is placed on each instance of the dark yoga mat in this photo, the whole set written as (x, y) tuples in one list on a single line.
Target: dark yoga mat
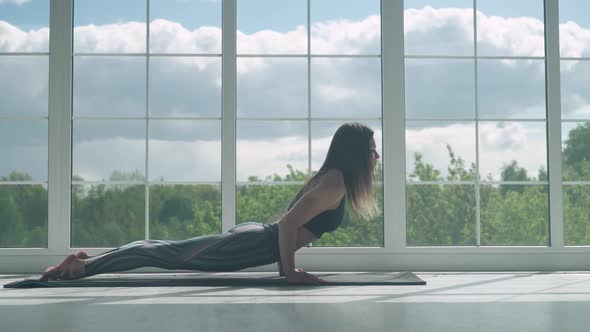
[(233, 279)]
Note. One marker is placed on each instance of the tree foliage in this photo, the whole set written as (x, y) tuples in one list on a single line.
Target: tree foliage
[(436, 214)]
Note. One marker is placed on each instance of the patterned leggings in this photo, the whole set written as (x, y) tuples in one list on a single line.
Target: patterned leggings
[(245, 245)]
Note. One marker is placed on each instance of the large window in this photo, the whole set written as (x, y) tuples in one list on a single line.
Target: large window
[(476, 136), (189, 117), (24, 50)]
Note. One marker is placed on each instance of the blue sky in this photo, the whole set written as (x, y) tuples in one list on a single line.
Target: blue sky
[(254, 15), (31, 15)]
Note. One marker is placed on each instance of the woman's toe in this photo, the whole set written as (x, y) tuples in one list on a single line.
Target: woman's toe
[(82, 255)]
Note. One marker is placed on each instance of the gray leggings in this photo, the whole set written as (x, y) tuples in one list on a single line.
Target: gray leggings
[(245, 245)]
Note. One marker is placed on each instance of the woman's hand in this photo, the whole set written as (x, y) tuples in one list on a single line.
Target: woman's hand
[(281, 273), (301, 277)]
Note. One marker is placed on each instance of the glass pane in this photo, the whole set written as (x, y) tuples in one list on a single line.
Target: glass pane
[(184, 150), (440, 215), (179, 212), (356, 232), (342, 87), (107, 215), (109, 86), (430, 83), (185, 26), (23, 150), (575, 89), (98, 147), (271, 150), (437, 151), (512, 151), (514, 215), (265, 203), (271, 27), (270, 87), (321, 137), (574, 25), (345, 26), (29, 96), (24, 26), (185, 86), (510, 28), (511, 88), (575, 151), (576, 215), (438, 27), (110, 26), (23, 216)]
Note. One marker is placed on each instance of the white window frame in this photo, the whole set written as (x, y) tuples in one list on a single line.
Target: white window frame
[(394, 256)]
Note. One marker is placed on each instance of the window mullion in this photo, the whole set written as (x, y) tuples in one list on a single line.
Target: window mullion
[(553, 88), (228, 109), (60, 125), (393, 113)]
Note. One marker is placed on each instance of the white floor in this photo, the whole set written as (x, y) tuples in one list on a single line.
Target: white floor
[(507, 301)]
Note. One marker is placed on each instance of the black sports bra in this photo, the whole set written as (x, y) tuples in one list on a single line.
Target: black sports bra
[(327, 221)]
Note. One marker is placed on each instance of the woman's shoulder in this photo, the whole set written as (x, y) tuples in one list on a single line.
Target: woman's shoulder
[(333, 179)]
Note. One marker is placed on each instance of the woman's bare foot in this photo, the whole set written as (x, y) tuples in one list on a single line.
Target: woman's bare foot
[(72, 267)]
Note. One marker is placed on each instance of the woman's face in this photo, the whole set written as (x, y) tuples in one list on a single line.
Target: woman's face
[(373, 153)]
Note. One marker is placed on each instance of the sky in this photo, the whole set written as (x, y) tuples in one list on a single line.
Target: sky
[(190, 150)]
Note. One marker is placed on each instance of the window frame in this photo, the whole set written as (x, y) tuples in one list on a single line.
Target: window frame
[(394, 255)]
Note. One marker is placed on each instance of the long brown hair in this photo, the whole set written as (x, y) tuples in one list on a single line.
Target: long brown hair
[(349, 152)]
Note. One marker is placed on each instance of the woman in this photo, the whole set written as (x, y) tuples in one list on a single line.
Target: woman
[(318, 207)]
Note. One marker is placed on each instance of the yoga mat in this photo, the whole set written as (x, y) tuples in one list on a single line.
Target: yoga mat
[(228, 279)]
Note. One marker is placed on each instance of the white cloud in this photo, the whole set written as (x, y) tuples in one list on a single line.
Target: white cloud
[(25, 158), (171, 37), (449, 31), (498, 145), (582, 112), (268, 41), (438, 31), (431, 142), (337, 94), (185, 161), (574, 40), (575, 95), (522, 36), (272, 87), (13, 39), (266, 157), (96, 159), (524, 143), (510, 136), (114, 38), (347, 37)]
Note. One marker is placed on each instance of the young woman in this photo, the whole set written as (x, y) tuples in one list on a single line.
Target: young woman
[(318, 207)]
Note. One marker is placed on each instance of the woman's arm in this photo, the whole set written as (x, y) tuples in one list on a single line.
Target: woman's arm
[(287, 240), (304, 237), (281, 273), (328, 191)]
